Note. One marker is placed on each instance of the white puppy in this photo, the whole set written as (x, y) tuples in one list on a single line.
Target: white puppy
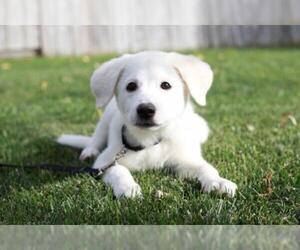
[(148, 113)]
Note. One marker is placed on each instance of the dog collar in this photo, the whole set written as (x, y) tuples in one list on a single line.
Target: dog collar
[(137, 148)]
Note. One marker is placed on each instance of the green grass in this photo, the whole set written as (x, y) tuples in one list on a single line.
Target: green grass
[(253, 140)]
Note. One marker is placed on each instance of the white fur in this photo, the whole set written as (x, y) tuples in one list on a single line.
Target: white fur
[(76, 141), (122, 182), (181, 129)]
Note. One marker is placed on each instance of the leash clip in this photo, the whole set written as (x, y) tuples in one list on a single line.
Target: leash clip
[(121, 154), (99, 172)]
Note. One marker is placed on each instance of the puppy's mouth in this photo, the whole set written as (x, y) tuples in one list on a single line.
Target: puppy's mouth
[(146, 124)]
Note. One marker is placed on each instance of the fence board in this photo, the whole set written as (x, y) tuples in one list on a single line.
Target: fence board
[(2, 38), (77, 36)]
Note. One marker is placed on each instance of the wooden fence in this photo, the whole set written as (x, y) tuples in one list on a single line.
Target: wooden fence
[(76, 27)]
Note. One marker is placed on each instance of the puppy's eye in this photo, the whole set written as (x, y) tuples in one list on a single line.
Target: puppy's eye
[(132, 86), (165, 85)]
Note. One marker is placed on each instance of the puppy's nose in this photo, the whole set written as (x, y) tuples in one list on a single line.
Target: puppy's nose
[(146, 111)]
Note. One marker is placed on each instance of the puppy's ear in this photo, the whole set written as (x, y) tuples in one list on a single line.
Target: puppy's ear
[(195, 73), (105, 78)]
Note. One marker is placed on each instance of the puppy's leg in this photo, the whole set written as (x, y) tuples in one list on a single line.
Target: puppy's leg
[(98, 140), (117, 176), (114, 145), (122, 182), (207, 175)]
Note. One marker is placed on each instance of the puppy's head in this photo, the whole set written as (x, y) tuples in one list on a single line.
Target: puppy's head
[(151, 88)]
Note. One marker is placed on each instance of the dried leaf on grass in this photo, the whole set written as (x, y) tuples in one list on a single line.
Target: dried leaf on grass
[(5, 66), (250, 127), (44, 85), (160, 194), (268, 183), (287, 117)]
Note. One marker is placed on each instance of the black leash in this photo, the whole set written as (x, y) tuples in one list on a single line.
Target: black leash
[(66, 169), (80, 170), (56, 168)]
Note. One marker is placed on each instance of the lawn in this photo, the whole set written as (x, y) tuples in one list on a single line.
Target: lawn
[(253, 111)]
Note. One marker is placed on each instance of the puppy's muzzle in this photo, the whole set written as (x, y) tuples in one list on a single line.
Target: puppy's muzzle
[(146, 111)]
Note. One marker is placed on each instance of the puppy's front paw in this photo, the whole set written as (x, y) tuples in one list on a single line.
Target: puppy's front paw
[(131, 191), (122, 182), (88, 152), (219, 184)]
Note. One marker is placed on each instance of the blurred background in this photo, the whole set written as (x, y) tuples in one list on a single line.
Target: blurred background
[(77, 27)]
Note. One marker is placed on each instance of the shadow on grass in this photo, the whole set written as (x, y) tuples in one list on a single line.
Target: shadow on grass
[(90, 203), (42, 150)]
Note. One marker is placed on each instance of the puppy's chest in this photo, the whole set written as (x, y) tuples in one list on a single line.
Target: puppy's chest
[(150, 157)]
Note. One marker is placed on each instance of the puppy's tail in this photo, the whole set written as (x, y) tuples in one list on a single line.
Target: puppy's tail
[(75, 141)]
